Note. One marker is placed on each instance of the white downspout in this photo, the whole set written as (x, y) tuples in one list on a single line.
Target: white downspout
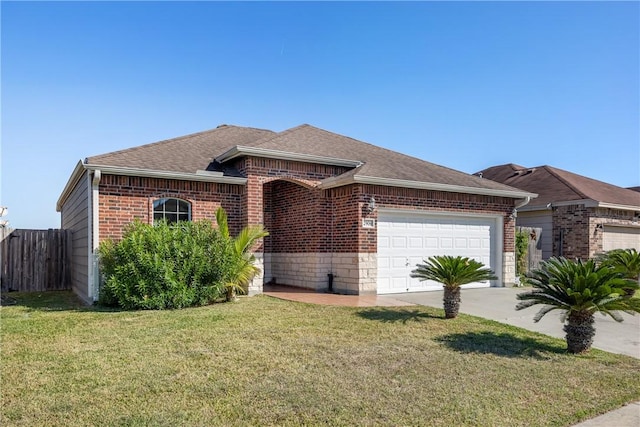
[(509, 275), (522, 202), (94, 270)]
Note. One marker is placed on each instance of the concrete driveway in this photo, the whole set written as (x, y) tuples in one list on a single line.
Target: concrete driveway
[(499, 304)]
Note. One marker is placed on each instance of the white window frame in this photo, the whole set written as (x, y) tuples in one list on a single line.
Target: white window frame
[(178, 212)]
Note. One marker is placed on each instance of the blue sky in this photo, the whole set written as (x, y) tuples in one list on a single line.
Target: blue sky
[(464, 85)]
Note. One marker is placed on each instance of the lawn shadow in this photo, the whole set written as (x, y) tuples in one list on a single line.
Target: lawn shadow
[(387, 315), (50, 301), (501, 344)]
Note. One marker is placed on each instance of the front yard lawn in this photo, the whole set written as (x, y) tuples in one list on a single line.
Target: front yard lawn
[(263, 361)]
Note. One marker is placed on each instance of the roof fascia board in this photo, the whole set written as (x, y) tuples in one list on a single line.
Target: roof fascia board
[(614, 225), (332, 183), (588, 203), (618, 207), (77, 173), (240, 151), (150, 173), (200, 176)]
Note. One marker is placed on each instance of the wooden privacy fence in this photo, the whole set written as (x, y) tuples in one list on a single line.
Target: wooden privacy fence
[(35, 260), (534, 249)]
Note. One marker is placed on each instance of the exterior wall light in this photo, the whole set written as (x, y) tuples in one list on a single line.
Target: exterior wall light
[(371, 206)]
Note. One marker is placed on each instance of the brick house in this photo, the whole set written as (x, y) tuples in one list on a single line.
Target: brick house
[(579, 216), (332, 204)]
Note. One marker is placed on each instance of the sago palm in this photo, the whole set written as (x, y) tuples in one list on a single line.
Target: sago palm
[(580, 289), (452, 272), (626, 261), (244, 268)]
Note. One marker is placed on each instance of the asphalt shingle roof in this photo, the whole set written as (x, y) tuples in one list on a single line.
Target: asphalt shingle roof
[(188, 153), (195, 152), (555, 185)]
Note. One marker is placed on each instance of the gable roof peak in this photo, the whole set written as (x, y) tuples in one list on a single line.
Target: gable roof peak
[(558, 185)]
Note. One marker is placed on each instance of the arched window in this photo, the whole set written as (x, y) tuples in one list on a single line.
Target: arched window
[(173, 210)]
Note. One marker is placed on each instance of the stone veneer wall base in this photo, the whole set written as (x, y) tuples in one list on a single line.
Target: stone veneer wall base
[(508, 269), (354, 273)]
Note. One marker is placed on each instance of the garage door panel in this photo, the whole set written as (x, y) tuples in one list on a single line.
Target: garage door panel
[(398, 242), (461, 243), (399, 262), (383, 262), (474, 243), (446, 242), (415, 242), (615, 237), (430, 243), (415, 260), (407, 240)]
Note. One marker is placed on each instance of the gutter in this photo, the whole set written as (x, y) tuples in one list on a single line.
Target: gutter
[(588, 203), (390, 182), (200, 176), (240, 151), (522, 202)]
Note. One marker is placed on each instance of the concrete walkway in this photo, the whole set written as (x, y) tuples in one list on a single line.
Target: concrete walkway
[(499, 304)]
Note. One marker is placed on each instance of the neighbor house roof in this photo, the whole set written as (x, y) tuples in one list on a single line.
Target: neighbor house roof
[(558, 186), (206, 155)]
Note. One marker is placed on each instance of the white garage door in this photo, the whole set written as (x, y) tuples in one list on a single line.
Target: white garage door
[(405, 239), (620, 238)]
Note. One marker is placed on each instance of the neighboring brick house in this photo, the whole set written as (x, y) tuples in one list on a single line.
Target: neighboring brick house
[(332, 205), (579, 216)]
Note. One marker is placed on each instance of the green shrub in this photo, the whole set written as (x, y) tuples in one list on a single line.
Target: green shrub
[(522, 248), (166, 266)]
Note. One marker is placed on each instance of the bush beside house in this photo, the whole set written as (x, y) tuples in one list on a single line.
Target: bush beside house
[(166, 266)]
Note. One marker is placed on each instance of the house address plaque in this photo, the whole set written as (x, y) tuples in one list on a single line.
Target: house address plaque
[(368, 223)]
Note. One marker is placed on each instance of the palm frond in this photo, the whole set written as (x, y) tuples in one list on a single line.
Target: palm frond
[(223, 225), (452, 271), (248, 237), (576, 286), (544, 310)]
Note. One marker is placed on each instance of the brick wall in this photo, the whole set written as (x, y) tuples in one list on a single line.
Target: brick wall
[(441, 201), (296, 217), (607, 216), (344, 219), (571, 231), (304, 219), (124, 199), (260, 171), (576, 232)]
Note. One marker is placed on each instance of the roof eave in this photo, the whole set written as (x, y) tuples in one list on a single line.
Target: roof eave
[(353, 179), (588, 203), (77, 173), (618, 206), (240, 151), (200, 176)]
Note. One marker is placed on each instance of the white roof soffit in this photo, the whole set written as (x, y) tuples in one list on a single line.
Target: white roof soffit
[(200, 176), (337, 182), (239, 151)]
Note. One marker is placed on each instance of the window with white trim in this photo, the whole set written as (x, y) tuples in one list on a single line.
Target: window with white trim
[(172, 210)]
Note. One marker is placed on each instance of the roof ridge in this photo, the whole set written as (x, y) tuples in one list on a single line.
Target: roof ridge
[(175, 139), (397, 153), (266, 139), (553, 171)]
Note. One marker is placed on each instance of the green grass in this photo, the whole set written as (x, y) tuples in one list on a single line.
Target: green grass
[(263, 361)]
